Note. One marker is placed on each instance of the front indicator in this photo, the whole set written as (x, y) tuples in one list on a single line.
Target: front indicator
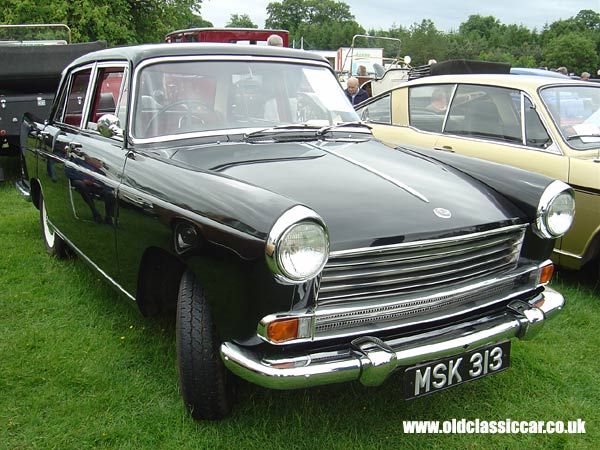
[(282, 330), (546, 273), (279, 330)]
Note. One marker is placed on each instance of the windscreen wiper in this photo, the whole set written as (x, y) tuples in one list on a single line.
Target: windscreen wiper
[(328, 128), (279, 130), (579, 136)]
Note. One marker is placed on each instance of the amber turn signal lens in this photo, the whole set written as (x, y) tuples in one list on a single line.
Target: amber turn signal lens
[(546, 274), (540, 303), (282, 330)]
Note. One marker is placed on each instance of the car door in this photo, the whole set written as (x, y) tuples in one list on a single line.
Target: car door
[(501, 125), (54, 171), (400, 117), (95, 166)]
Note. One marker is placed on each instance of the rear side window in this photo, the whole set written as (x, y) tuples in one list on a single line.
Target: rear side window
[(71, 110), (486, 112), (428, 105), (108, 86)]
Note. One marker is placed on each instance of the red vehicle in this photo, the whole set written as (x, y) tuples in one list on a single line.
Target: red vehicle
[(226, 35)]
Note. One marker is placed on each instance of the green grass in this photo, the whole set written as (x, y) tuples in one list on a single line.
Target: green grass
[(81, 368)]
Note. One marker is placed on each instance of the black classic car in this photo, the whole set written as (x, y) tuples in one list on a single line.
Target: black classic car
[(235, 187)]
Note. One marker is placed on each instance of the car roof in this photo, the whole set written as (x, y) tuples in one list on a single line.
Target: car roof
[(138, 53), (527, 82), (540, 72)]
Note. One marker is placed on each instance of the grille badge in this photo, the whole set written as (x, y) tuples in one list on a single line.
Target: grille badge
[(442, 213)]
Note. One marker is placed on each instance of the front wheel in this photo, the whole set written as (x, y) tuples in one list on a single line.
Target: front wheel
[(55, 245), (205, 383)]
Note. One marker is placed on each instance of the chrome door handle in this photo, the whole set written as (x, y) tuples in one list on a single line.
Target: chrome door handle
[(445, 148)]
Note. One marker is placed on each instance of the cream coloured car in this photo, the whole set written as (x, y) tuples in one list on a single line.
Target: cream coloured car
[(543, 124)]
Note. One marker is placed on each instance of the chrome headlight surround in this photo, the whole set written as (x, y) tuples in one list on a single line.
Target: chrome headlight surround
[(298, 219), (555, 211)]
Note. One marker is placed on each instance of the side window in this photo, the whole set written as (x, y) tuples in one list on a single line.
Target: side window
[(378, 111), (535, 132), (123, 101), (485, 112), (62, 104), (107, 89), (75, 100), (427, 106)]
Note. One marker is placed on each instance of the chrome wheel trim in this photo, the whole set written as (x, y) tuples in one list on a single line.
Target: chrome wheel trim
[(49, 234)]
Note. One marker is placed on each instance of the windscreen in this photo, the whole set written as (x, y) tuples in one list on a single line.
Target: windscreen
[(181, 97), (576, 112)]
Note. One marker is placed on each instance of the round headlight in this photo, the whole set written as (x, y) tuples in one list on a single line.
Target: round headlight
[(302, 251), (555, 211), (298, 245)]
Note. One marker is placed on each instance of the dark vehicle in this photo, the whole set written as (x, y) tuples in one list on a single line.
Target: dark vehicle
[(236, 186), (251, 36), (25, 84)]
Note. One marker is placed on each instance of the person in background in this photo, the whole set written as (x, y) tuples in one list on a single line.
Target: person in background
[(361, 71), (585, 76), (431, 61), (439, 102), (563, 70), (354, 93), (275, 40)]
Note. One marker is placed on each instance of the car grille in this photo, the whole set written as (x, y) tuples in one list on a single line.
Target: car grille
[(403, 270)]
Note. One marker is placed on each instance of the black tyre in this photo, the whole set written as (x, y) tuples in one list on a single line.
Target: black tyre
[(55, 245), (205, 382)]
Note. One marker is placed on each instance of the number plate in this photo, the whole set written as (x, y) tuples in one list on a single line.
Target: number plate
[(444, 373)]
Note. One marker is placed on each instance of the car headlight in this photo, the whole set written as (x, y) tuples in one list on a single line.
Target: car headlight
[(298, 245), (555, 211)]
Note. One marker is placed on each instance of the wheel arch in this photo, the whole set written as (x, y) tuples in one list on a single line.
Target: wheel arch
[(592, 252), (158, 282)]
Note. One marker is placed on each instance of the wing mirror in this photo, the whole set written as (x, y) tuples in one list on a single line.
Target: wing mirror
[(365, 115), (109, 125)]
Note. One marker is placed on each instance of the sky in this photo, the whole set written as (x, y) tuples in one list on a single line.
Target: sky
[(446, 15)]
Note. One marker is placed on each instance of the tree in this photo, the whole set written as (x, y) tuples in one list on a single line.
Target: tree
[(116, 21), (425, 42), (241, 21), (334, 36), (572, 50), (326, 24), (476, 26)]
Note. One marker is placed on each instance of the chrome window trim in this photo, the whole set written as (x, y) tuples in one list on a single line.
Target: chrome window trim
[(553, 148), (102, 65), (216, 58), (85, 106), (450, 100)]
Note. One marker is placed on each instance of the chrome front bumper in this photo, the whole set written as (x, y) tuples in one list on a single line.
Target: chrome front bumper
[(371, 360), (23, 190)]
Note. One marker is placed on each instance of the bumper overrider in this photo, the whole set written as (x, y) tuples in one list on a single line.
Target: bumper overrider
[(371, 360)]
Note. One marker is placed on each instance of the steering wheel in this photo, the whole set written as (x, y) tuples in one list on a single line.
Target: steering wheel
[(309, 109), (192, 109)]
